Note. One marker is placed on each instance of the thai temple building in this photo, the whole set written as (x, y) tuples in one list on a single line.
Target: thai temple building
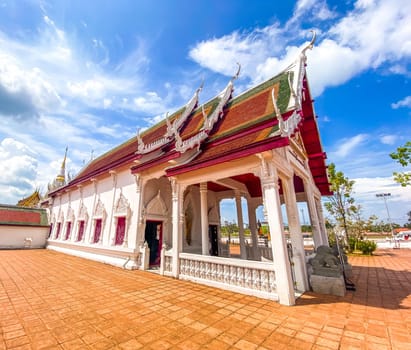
[(31, 201), (154, 201)]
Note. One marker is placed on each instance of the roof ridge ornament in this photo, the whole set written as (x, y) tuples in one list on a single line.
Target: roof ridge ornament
[(296, 73), (235, 76), (311, 44), (288, 127), (172, 128), (210, 120)]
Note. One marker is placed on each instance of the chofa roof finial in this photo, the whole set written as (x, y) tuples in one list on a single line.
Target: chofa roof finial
[(238, 72), (311, 44)]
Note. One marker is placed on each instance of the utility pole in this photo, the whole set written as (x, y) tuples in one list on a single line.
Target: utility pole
[(384, 196)]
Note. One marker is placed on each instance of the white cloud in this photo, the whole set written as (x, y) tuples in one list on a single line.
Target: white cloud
[(405, 102), (149, 102), (43, 72), (372, 34), (87, 89), (107, 102), (347, 146), (315, 9), (24, 91), (366, 189), (388, 139), (222, 54), (18, 168)]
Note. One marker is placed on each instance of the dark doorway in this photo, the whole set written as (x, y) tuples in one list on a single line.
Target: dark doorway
[(213, 237), (153, 237)]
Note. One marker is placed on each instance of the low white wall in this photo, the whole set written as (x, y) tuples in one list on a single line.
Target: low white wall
[(17, 237)]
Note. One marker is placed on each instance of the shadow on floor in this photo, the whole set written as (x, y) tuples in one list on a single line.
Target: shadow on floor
[(385, 286)]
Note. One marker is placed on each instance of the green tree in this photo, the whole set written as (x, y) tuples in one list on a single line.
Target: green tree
[(341, 205), (403, 156)]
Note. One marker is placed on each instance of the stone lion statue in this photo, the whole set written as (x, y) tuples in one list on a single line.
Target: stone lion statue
[(325, 263)]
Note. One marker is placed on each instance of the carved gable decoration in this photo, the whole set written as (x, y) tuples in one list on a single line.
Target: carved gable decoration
[(156, 207), (61, 217), (209, 120), (99, 210), (172, 129), (82, 213), (70, 214), (122, 207), (297, 145), (213, 215)]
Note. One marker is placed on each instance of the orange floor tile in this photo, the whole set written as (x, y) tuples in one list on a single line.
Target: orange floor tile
[(53, 301)]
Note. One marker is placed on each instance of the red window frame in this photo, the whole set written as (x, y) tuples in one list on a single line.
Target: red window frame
[(58, 230), (80, 230), (68, 230), (97, 230), (120, 230)]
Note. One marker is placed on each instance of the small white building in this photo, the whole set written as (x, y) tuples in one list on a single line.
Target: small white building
[(155, 199), (22, 228)]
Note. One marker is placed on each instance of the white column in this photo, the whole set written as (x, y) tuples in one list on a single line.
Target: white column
[(296, 236), (252, 218), (313, 215), (283, 278), (323, 229), (75, 223), (87, 236), (204, 219), (111, 239), (177, 220), (240, 221), (54, 234), (139, 234)]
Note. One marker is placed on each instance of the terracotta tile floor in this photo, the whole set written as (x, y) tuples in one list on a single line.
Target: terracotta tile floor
[(53, 301)]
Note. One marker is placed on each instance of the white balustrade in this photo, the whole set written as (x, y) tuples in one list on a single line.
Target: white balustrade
[(244, 276)]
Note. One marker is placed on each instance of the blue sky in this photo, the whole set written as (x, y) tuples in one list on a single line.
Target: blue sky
[(88, 74)]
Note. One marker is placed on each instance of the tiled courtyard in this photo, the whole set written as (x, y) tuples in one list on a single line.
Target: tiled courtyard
[(53, 301)]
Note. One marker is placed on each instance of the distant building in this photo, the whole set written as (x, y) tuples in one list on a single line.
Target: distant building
[(23, 227), (153, 201), (31, 201)]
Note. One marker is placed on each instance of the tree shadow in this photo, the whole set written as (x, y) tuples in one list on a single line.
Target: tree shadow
[(376, 285)]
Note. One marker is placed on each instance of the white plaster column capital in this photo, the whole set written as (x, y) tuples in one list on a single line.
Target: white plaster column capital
[(139, 182), (203, 187), (113, 175), (95, 183)]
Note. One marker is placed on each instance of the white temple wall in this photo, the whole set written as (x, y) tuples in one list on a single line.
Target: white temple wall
[(127, 187), (105, 194), (75, 201)]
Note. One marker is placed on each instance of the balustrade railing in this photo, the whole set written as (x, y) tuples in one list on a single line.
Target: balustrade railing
[(244, 276)]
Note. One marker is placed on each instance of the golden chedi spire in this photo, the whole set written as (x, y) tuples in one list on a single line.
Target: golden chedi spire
[(61, 177)]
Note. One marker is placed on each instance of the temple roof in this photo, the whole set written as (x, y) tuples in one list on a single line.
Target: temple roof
[(30, 201), (262, 118)]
